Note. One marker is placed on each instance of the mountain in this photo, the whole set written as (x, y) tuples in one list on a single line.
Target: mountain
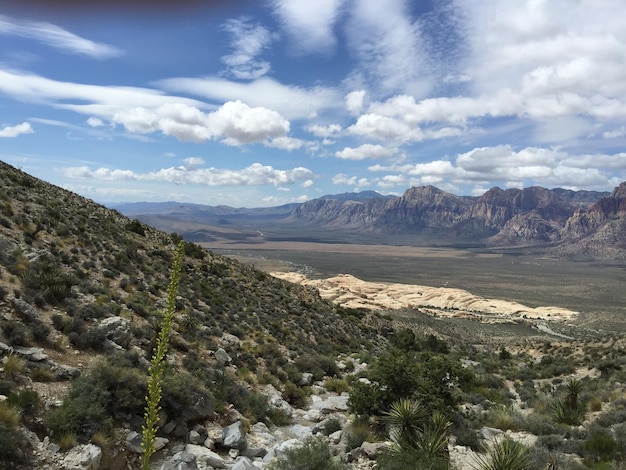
[(424, 216)]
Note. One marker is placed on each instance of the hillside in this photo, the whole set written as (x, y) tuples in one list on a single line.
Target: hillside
[(81, 282), (264, 373)]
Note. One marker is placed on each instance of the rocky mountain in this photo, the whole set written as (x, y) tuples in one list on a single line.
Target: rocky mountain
[(533, 216)]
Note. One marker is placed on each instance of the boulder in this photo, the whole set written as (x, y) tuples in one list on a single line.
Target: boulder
[(234, 436), (300, 431), (26, 311), (181, 460), (331, 404), (222, 357), (372, 449), (244, 463), (204, 457), (116, 329), (83, 457)]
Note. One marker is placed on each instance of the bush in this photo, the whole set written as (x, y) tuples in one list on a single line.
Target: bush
[(15, 333), (313, 454), (410, 459), (599, 446), (8, 441), (294, 395), (358, 433)]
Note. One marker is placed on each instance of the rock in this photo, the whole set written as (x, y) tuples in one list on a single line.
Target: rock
[(279, 449), (234, 436), (300, 431), (31, 354), (160, 443), (195, 437), (215, 433), (181, 460), (231, 340), (116, 329), (260, 437), (331, 404), (276, 400), (490, 434), (254, 452), (169, 427), (306, 379), (335, 437), (205, 457), (244, 463), (83, 457), (63, 372), (26, 311), (372, 449), (222, 357), (133, 442)]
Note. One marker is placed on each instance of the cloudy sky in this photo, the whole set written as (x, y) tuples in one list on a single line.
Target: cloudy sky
[(260, 103)]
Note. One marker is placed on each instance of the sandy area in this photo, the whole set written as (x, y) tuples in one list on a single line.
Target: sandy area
[(351, 292)]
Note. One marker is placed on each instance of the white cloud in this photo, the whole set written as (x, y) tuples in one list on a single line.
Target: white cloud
[(366, 151), (354, 101), (375, 126), (56, 37), (253, 175), (324, 131), (95, 122), (192, 163), (389, 44), (309, 24), (286, 143), (248, 42), (14, 131), (307, 184), (293, 102)]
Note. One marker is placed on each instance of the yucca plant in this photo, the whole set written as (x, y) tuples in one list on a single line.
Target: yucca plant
[(157, 364), (506, 454)]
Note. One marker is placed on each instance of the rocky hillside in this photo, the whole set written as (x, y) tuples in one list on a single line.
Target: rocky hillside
[(82, 289)]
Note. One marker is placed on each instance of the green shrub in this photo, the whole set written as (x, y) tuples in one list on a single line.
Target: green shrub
[(336, 385), (506, 454), (294, 395), (8, 441), (332, 425), (357, 434), (15, 333), (410, 459), (313, 454), (599, 446)]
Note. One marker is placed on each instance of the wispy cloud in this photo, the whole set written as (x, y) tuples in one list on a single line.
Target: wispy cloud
[(54, 36), (248, 42), (308, 24)]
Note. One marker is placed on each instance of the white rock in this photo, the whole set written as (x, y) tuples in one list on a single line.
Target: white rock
[(83, 457)]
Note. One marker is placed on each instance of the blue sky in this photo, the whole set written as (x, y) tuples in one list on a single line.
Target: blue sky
[(262, 103)]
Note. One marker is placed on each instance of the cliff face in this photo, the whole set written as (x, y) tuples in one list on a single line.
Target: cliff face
[(511, 217)]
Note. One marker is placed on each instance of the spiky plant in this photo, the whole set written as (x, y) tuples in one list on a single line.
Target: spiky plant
[(506, 454), (406, 419), (157, 364)]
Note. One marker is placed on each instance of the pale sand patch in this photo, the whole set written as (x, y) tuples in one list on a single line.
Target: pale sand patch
[(351, 292)]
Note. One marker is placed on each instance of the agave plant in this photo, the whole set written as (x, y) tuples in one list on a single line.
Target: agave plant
[(506, 454)]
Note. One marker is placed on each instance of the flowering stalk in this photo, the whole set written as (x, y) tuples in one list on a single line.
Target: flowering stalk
[(157, 364)]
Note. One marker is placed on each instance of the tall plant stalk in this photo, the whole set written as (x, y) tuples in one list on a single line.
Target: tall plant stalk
[(157, 363)]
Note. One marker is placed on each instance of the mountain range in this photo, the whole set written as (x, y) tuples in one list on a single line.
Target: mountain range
[(579, 224)]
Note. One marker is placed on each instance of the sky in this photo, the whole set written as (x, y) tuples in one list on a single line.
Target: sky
[(267, 102)]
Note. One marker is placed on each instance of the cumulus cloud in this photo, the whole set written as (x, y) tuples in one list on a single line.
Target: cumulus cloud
[(354, 101), (95, 122), (366, 151), (248, 42), (193, 162), (14, 131), (56, 37), (253, 175), (309, 24)]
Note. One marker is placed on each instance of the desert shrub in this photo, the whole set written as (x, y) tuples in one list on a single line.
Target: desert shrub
[(357, 434), (40, 331), (541, 424), (330, 426), (313, 454), (505, 418), (84, 411), (294, 395), (48, 279), (13, 366), (410, 459), (42, 374), (10, 415), (93, 338), (6, 387), (599, 446), (26, 400), (8, 441), (336, 385), (15, 333), (612, 417)]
